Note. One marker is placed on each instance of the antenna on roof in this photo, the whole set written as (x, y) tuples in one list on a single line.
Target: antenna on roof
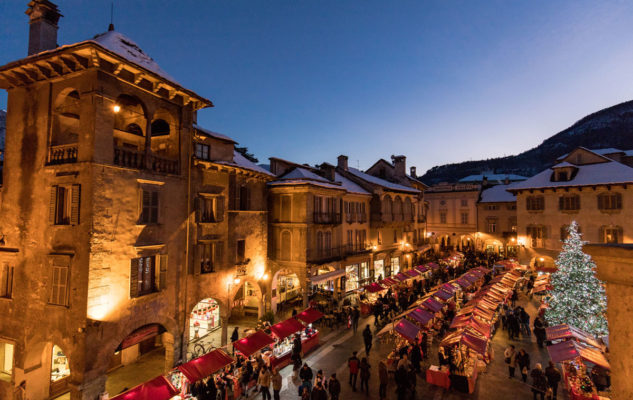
[(111, 27)]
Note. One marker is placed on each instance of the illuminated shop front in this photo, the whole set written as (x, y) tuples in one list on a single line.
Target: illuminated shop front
[(379, 269), (204, 318), (395, 265), (351, 275)]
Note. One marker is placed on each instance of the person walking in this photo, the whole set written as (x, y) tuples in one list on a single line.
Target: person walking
[(383, 377), (510, 359), (334, 387), (353, 363), (523, 360), (367, 337), (277, 382), (553, 377), (364, 375), (402, 382), (318, 393), (539, 381), (296, 355), (306, 375), (355, 318), (539, 331), (416, 357), (264, 383), (235, 336)]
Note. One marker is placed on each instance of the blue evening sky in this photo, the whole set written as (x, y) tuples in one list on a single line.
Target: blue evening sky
[(438, 81)]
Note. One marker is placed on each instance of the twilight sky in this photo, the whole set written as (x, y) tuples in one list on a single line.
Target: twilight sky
[(439, 81)]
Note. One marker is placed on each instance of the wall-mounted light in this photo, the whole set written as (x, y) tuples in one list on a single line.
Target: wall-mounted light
[(116, 108), (236, 281)]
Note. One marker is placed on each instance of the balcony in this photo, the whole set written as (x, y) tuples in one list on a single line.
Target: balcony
[(62, 154), (135, 159), (319, 256), (326, 218), (164, 165), (357, 248)]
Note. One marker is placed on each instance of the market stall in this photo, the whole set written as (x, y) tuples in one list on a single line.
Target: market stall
[(432, 305), (567, 332), (158, 388), (371, 291), (199, 368), (407, 330), (421, 316), (468, 350), (308, 317), (284, 333), (253, 343)]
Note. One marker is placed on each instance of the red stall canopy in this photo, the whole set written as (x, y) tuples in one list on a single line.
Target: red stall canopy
[(253, 342), (475, 343), (460, 321), (407, 329), (401, 277), (433, 265), (442, 294), (286, 328), (569, 350), (309, 315), (412, 273), (421, 315), (449, 287), (565, 331), (463, 283), (201, 367), (422, 268), (432, 304), (158, 388)]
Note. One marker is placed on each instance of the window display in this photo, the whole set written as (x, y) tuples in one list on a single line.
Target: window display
[(364, 270), (59, 364), (379, 269), (351, 272), (204, 319), (395, 265)]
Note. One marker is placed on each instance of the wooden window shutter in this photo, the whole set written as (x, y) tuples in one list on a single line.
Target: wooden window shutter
[(561, 203), (618, 201), (219, 211), (249, 198), (75, 204), (620, 234), (233, 200), (197, 207), (602, 236), (134, 283), (600, 202), (217, 254), (51, 205), (162, 276)]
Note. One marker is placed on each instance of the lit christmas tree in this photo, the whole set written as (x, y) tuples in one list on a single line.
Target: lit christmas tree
[(577, 297)]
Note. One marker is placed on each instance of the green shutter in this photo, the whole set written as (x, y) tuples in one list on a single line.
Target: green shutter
[(75, 204)]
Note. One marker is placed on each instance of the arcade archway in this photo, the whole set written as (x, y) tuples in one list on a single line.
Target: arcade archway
[(204, 319)]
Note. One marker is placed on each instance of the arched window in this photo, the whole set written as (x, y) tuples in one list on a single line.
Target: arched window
[(285, 245), (160, 127), (60, 367), (387, 208), (129, 111), (134, 129), (397, 209), (66, 121), (408, 209)]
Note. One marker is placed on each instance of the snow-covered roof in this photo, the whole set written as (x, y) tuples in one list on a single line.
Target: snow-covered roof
[(303, 173), (492, 177), (213, 134), (563, 164), (601, 152), (302, 176), (348, 185), (497, 194), (605, 173), (381, 182), (242, 162)]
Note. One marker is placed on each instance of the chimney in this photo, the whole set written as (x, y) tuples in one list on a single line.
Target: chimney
[(342, 162), (328, 171), (400, 165), (43, 17), (413, 174), (484, 181)]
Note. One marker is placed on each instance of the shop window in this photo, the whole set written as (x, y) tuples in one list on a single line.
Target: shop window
[(395, 265), (149, 207), (379, 269), (60, 367), (364, 270), (6, 281), (611, 234), (464, 217), (569, 203), (64, 204), (442, 218), (6, 361), (204, 318), (143, 276), (202, 151), (59, 280), (210, 256), (535, 203), (240, 251), (610, 201), (210, 209), (351, 274)]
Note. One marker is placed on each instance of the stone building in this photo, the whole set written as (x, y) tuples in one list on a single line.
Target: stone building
[(592, 187), (497, 221), (104, 217)]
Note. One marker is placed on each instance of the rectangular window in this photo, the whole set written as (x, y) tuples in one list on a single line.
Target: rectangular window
[(492, 226), (6, 280), (442, 218), (464, 218), (202, 151), (64, 204), (60, 278), (464, 203), (240, 251), (143, 276), (610, 201), (492, 207), (6, 361), (210, 256), (149, 207), (244, 203), (569, 203), (210, 209), (535, 203), (612, 235), (350, 239)]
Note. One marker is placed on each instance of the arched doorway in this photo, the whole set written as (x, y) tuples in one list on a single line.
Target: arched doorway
[(286, 289), (142, 355), (60, 371), (247, 300), (204, 319)]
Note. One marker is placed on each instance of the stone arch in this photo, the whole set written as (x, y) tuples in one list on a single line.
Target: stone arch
[(130, 110), (66, 118), (256, 297), (212, 310), (279, 296)]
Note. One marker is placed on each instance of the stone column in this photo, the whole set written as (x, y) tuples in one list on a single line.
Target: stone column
[(615, 268), (92, 389), (168, 343), (225, 329)]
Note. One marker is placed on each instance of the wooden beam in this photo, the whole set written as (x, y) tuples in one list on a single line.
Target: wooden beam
[(47, 72), (138, 78), (118, 69), (31, 73), (81, 62), (69, 64), (58, 70), (63, 66), (12, 81), (94, 58), (22, 77)]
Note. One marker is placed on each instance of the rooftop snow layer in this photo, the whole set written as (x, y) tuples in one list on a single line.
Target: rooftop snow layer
[(492, 177), (497, 194), (242, 162), (303, 173), (348, 185), (213, 134), (381, 182)]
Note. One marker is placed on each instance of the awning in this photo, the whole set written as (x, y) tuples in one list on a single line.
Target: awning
[(286, 328), (565, 331), (327, 277), (474, 343), (463, 283), (433, 265), (442, 294), (388, 282), (141, 334), (253, 343), (412, 273), (569, 350), (374, 288), (432, 304), (421, 315), (422, 268), (459, 321), (309, 315), (407, 329), (208, 364), (158, 388), (401, 277)]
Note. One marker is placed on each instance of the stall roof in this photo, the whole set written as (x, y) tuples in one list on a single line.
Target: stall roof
[(449, 287), (158, 388), (253, 343), (433, 304), (201, 367), (401, 276), (374, 288), (388, 282), (442, 294), (474, 343), (309, 315), (463, 283), (565, 331), (459, 321), (422, 268), (407, 329), (286, 328), (569, 350), (412, 273), (421, 315), (433, 265)]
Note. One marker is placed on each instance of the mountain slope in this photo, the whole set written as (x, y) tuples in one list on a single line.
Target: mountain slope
[(610, 127)]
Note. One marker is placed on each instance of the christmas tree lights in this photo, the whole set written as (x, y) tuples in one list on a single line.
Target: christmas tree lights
[(577, 297)]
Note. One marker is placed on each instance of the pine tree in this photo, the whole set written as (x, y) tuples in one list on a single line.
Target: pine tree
[(577, 297)]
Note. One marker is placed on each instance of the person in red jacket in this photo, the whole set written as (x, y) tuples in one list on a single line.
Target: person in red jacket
[(353, 363)]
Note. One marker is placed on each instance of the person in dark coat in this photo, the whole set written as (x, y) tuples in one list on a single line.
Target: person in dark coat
[(553, 377), (367, 338), (539, 331), (416, 357), (354, 364), (318, 393), (306, 375), (402, 382), (539, 381), (523, 360), (365, 373), (334, 387), (383, 377)]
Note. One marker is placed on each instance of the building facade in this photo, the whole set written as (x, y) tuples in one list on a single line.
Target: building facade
[(497, 221)]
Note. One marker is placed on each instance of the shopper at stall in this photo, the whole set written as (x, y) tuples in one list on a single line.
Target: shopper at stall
[(523, 360), (367, 338), (353, 363), (510, 359), (539, 331), (553, 377), (264, 382), (318, 393), (276, 381), (320, 378), (416, 356), (539, 381), (365, 373), (355, 318), (600, 377), (383, 377)]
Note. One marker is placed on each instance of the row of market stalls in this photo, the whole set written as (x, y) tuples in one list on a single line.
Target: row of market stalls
[(274, 347)]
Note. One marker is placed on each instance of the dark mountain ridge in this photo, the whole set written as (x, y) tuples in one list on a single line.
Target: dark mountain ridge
[(610, 127)]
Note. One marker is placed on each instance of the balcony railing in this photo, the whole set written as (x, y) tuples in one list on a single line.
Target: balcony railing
[(162, 164), (63, 154), (129, 158), (335, 253), (326, 218), (360, 218)]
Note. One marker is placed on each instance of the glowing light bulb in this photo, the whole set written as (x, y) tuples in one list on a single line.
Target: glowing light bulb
[(116, 108)]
